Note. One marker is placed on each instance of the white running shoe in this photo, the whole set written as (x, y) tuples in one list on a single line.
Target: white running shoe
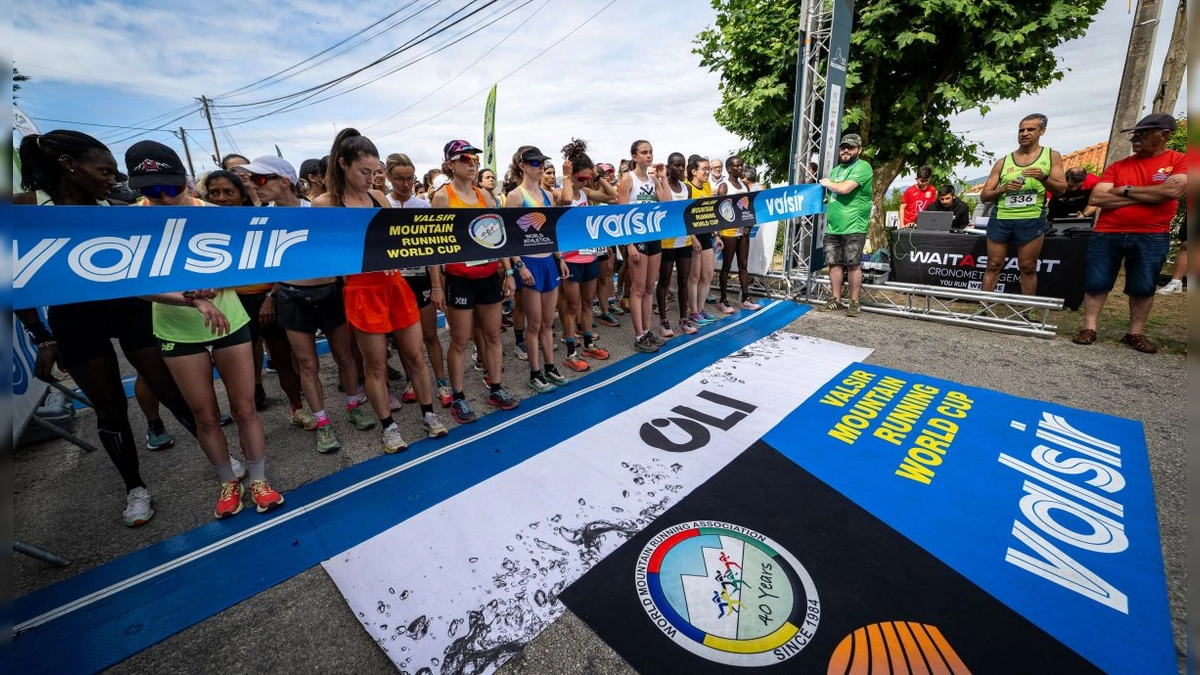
[(392, 440), (1172, 286), (137, 507)]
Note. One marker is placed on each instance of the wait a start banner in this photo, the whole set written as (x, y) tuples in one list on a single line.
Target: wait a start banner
[(80, 253)]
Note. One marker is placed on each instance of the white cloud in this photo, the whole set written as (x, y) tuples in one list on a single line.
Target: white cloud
[(628, 74)]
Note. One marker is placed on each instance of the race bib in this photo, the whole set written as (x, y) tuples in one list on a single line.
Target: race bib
[(588, 251), (1014, 200), (413, 272)]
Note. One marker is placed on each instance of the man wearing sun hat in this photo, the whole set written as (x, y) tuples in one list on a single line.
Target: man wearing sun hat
[(275, 180), (1138, 197)]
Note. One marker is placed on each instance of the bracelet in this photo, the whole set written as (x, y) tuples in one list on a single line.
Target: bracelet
[(508, 273), (435, 288), (46, 344)]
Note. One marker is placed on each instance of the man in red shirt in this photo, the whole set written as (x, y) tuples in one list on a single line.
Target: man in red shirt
[(917, 197), (1137, 197)]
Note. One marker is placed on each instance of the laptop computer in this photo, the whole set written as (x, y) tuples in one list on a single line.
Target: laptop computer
[(935, 221)]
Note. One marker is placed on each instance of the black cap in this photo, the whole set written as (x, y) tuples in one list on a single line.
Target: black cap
[(533, 155), (309, 167), (1154, 121), (152, 163)]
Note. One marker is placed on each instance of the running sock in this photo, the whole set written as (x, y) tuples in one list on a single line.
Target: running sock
[(351, 402), (550, 368), (156, 426), (385, 422), (426, 408), (459, 396), (443, 382), (570, 346), (225, 472), (321, 417), (495, 387), (256, 470), (588, 339), (534, 373), (519, 334)]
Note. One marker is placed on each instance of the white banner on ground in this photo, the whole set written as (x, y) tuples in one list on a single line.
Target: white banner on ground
[(462, 586)]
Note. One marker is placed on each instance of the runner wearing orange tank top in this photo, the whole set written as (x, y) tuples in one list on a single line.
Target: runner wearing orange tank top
[(471, 292)]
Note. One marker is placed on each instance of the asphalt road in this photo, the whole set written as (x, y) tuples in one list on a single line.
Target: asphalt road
[(69, 501)]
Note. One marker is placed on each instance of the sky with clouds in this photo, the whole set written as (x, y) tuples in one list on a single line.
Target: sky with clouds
[(609, 71)]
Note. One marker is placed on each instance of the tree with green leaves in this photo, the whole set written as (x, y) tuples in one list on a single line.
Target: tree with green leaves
[(913, 64), (18, 78)]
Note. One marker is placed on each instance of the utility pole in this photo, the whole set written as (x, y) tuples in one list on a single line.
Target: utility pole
[(1133, 80), (187, 152), (211, 130), (1171, 80)]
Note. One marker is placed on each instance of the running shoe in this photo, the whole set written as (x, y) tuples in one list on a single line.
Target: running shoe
[(230, 501), (575, 362), (519, 350), (327, 440), (698, 319), (433, 425), (749, 304), (137, 507), (643, 345), (556, 378), (725, 307), (609, 320), (712, 318), (539, 384), (479, 364), (409, 395), (394, 374), (445, 395), (709, 298), (505, 321), (596, 352), (226, 420), (239, 469), (665, 329), (502, 400), (1172, 286), (654, 339), (687, 328), (260, 397), (265, 497), (615, 310), (360, 418), (303, 418), (158, 441), (852, 308), (393, 442), (461, 411), (831, 306), (393, 402), (596, 309)]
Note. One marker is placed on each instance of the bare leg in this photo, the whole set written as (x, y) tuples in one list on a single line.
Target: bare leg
[(236, 366), (1027, 260)]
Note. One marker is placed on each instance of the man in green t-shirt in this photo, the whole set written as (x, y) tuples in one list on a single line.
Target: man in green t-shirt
[(847, 218)]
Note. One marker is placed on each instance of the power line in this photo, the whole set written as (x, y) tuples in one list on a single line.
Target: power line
[(507, 75), (91, 124), (267, 81), (390, 55), (297, 105), (464, 70)]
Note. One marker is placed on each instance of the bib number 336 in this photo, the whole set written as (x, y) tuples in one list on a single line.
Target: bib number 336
[(1018, 199)]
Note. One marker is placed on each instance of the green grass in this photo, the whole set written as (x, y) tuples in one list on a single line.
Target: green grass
[(1166, 327)]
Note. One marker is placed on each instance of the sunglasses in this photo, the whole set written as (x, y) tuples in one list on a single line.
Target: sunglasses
[(157, 191), (404, 179), (261, 180), (535, 163), (584, 177), (466, 159)]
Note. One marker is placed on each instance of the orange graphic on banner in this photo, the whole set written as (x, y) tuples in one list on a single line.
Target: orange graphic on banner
[(896, 648)]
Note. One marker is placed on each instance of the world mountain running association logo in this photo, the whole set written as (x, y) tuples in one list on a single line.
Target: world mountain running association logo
[(727, 593)]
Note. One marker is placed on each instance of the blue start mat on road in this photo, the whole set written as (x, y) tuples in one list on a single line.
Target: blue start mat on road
[(900, 523), (106, 614)]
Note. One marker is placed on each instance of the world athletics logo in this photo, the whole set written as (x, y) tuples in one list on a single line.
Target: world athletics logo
[(727, 594)]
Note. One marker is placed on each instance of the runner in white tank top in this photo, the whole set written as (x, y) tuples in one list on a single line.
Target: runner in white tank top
[(735, 242), (639, 185)]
